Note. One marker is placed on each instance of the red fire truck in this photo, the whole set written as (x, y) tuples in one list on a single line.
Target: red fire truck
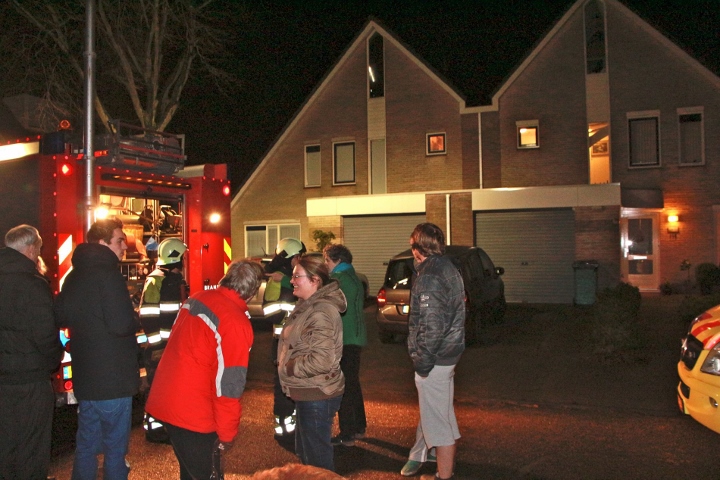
[(139, 177)]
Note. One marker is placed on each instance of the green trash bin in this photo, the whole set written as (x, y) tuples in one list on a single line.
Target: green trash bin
[(585, 282)]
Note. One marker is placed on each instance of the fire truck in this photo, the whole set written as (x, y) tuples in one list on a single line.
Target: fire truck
[(140, 177)]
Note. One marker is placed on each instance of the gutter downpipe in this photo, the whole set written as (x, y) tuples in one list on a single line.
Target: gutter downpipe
[(89, 96), (448, 241)]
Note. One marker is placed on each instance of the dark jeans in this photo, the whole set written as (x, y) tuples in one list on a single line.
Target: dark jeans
[(103, 427), (352, 409), (25, 427), (197, 453), (314, 428), (283, 406)]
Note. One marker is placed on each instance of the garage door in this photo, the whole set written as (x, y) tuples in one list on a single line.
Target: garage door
[(373, 240), (537, 250)]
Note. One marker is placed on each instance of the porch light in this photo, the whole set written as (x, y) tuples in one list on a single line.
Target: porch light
[(673, 227)]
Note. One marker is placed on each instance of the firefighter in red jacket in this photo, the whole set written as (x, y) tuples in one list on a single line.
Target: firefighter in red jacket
[(201, 377), (164, 292)]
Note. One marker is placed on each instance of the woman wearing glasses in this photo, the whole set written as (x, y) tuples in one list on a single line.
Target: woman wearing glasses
[(309, 355)]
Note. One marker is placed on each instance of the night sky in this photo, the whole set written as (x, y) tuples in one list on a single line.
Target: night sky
[(281, 50)]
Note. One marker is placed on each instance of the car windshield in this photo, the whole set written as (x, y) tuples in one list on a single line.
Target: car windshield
[(399, 275)]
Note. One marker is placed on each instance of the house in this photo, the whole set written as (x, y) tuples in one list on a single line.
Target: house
[(594, 148)]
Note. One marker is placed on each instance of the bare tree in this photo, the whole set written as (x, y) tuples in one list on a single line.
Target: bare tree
[(149, 47)]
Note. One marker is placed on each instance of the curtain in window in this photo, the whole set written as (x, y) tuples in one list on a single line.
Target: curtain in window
[(644, 142)]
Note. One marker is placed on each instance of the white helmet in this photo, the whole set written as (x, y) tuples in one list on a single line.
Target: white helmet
[(171, 251), (289, 247)]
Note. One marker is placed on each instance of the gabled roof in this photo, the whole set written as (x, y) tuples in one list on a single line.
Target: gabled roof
[(371, 26), (633, 17)]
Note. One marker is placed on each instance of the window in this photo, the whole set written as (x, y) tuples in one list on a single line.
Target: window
[(261, 240), (644, 139), (344, 163), (594, 37), (312, 165), (691, 136), (436, 144), (528, 134), (376, 67)]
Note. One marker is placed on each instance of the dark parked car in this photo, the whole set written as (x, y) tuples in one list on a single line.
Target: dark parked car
[(484, 292)]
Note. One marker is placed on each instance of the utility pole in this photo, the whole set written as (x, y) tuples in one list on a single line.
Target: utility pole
[(89, 97)]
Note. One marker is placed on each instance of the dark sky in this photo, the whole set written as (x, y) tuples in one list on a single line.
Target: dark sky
[(282, 49)]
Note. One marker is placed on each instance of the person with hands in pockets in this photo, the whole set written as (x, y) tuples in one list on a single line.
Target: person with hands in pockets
[(436, 340)]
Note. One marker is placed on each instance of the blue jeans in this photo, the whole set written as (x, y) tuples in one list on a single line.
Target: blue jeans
[(103, 427), (313, 432)]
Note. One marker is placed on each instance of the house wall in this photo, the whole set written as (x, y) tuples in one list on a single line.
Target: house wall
[(597, 237), (490, 144), (417, 105), (647, 75), (551, 90), (470, 151)]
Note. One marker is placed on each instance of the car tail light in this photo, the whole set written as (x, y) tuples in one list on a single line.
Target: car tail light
[(68, 385), (381, 298)]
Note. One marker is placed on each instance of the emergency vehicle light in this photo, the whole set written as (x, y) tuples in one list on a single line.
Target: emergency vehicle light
[(226, 190), (146, 181), (214, 218), (18, 150), (66, 169), (68, 385)]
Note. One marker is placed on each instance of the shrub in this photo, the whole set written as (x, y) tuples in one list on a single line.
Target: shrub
[(693, 305), (708, 277)]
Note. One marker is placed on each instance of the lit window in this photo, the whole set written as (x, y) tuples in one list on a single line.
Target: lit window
[(691, 135), (312, 165), (344, 163), (436, 144), (644, 139), (528, 134)]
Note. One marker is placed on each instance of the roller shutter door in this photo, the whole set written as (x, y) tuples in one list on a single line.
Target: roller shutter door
[(373, 240), (537, 250)]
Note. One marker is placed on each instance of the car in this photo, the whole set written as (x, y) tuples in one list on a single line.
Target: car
[(255, 305), (698, 391), (484, 292)]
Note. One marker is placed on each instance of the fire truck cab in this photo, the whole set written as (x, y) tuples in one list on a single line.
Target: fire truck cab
[(140, 177)]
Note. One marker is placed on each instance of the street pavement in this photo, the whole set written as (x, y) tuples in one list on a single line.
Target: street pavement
[(533, 402)]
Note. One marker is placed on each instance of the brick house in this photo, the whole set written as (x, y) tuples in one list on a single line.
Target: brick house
[(594, 148)]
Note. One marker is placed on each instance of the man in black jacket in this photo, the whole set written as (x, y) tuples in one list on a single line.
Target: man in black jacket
[(95, 305), (436, 340), (30, 351)]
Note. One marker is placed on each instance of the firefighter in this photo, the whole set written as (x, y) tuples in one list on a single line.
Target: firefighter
[(278, 303), (164, 293)]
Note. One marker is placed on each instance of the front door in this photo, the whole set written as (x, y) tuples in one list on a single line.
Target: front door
[(640, 251)]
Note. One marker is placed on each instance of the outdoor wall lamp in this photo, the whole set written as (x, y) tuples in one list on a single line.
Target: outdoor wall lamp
[(673, 227)]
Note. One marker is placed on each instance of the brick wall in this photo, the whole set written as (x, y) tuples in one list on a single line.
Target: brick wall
[(597, 237)]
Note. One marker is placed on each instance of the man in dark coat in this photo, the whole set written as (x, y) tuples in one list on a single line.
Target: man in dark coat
[(30, 351), (95, 305)]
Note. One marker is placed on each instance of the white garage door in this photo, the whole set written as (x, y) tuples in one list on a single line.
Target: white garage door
[(537, 250), (373, 240)]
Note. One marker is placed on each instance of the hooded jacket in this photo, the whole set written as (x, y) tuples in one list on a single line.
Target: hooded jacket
[(436, 324), (30, 348), (311, 346), (95, 305)]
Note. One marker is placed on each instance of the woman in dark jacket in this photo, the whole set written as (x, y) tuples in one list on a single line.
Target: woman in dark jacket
[(309, 355)]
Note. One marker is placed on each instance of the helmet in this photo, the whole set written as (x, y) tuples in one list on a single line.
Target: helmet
[(171, 251), (289, 247)]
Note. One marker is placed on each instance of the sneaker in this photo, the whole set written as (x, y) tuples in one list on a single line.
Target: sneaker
[(359, 435), (344, 441), (411, 468)]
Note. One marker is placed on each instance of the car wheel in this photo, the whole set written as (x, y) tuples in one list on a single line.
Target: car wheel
[(473, 324), (386, 337)]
